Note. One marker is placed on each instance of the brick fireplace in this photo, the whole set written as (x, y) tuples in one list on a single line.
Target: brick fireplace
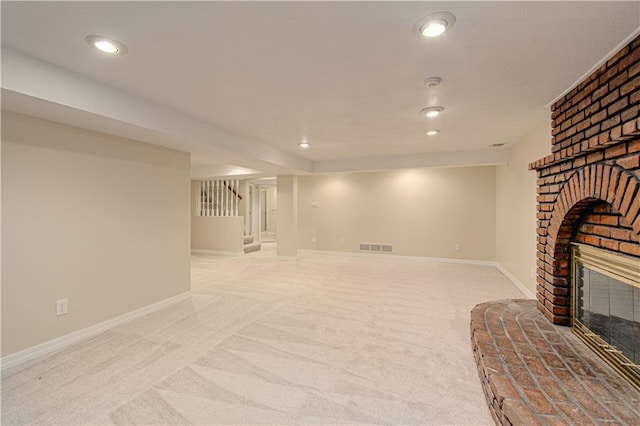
[(589, 202), (533, 370), (588, 188)]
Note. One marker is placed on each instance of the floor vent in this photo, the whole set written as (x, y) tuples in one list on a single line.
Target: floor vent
[(364, 246)]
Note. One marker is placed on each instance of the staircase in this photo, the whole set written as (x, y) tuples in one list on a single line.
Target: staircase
[(249, 245)]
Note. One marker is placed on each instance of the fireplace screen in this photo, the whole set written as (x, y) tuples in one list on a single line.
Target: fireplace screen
[(606, 309)]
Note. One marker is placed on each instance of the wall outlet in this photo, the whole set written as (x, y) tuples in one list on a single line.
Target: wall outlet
[(457, 247), (344, 241), (315, 204), (62, 307), (313, 240)]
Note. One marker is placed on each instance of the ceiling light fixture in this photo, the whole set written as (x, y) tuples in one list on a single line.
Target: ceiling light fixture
[(432, 132), (435, 24), (304, 144), (432, 111), (106, 45)]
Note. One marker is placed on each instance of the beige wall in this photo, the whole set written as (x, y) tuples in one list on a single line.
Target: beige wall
[(422, 212), (287, 208), (99, 220), (223, 234), (516, 207)]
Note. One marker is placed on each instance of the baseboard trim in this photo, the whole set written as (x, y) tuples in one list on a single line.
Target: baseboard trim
[(217, 252), (523, 289), (515, 281), (411, 258), (68, 339)]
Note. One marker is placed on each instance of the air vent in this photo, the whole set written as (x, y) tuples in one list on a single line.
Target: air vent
[(375, 247), (496, 145), (386, 247), (364, 246)]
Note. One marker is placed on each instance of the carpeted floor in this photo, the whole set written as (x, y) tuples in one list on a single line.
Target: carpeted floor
[(317, 339)]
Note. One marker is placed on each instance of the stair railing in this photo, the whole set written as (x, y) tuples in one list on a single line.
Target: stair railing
[(219, 198)]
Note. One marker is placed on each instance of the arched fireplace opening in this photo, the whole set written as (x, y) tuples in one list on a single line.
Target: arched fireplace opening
[(590, 265)]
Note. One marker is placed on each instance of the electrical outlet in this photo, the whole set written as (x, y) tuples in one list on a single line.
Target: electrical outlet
[(62, 307), (457, 247), (344, 241), (313, 240)]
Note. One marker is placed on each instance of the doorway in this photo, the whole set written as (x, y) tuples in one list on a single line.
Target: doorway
[(268, 213), (263, 211)]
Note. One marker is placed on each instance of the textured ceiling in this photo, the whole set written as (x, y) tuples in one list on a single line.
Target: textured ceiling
[(345, 75)]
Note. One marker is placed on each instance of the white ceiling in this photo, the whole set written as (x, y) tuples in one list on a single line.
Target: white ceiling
[(243, 82)]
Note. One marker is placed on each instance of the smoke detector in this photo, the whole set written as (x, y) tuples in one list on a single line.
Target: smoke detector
[(432, 82)]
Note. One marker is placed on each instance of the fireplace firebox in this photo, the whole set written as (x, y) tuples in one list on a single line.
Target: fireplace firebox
[(606, 308)]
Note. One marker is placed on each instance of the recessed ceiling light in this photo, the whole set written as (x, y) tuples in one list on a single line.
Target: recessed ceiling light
[(432, 132), (435, 24), (432, 111), (304, 144), (434, 28), (106, 45)]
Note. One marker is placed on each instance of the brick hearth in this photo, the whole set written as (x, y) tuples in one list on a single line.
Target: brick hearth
[(534, 372)]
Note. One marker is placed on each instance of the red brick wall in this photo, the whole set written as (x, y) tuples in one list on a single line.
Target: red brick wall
[(589, 188), (600, 109), (603, 226)]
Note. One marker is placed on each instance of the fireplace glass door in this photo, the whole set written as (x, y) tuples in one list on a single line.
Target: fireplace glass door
[(606, 310)]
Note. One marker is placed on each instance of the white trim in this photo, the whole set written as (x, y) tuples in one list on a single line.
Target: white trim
[(515, 281), (598, 64), (523, 289), (217, 252), (68, 339), (413, 258)]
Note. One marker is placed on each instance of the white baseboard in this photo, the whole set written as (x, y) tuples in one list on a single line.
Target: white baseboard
[(68, 339), (217, 252), (523, 289), (412, 258), (515, 281), (448, 260)]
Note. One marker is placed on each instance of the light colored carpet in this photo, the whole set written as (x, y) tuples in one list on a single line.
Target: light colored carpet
[(317, 339)]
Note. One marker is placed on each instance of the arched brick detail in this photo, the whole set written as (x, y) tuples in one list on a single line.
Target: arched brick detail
[(597, 182), (612, 184)]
